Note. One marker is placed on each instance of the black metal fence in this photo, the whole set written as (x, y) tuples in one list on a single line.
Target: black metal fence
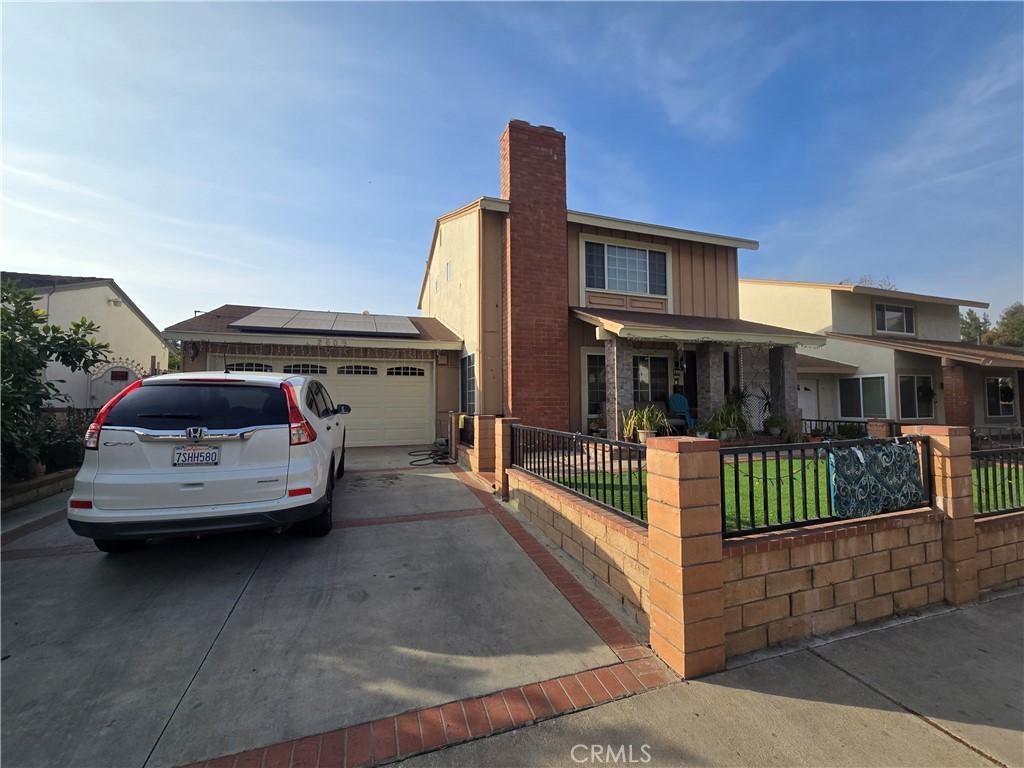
[(773, 487), (997, 479), (834, 428), (1009, 436), (466, 430), (609, 472)]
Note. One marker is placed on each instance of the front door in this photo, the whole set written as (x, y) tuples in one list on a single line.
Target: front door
[(807, 398)]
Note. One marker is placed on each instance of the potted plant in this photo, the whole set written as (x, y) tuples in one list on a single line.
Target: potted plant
[(707, 427), (774, 425), (643, 423)]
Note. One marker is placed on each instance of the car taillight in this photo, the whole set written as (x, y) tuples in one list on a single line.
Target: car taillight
[(300, 491), (92, 434), (80, 504), (300, 431)]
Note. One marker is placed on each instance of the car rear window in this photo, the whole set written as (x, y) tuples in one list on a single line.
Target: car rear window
[(214, 406)]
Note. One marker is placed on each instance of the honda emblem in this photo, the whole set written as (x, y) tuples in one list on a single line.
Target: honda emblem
[(195, 433)]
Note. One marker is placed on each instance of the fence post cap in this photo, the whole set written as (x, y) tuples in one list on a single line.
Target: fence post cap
[(683, 444), (935, 430)]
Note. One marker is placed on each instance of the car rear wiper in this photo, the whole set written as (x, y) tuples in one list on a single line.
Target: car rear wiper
[(168, 416)]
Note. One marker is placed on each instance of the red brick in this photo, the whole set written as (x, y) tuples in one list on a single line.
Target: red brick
[(279, 755), (537, 700), (332, 749), (517, 706), (306, 753), (476, 717), (556, 694), (577, 694), (610, 682), (357, 753), (408, 728), (593, 686), (251, 759), (455, 727), (497, 711), (627, 678), (382, 739)]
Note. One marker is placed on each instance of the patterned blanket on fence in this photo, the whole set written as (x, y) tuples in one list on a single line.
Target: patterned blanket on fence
[(869, 479)]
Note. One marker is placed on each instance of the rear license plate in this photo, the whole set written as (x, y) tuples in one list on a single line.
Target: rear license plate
[(196, 455)]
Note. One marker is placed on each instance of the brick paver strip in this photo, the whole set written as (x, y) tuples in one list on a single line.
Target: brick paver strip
[(456, 722)]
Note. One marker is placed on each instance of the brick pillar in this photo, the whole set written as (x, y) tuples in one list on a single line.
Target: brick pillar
[(536, 315), (503, 453), (453, 434), (710, 379), (880, 428), (782, 384), (956, 395), (950, 449), (618, 384), (483, 443), (685, 538)]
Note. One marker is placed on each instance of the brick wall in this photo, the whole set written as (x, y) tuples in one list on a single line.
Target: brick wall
[(1000, 551), (536, 316), (780, 587), (956, 396), (609, 546)]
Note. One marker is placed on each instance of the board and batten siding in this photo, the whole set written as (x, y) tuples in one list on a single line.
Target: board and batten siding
[(704, 277)]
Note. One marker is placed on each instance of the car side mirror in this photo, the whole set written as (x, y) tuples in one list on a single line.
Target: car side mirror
[(343, 410)]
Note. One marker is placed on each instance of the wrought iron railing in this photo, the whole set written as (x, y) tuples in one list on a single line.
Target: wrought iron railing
[(773, 487), (997, 480), (609, 472), (834, 428), (466, 431), (1008, 436)]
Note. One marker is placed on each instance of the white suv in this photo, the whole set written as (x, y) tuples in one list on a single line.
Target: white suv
[(192, 453)]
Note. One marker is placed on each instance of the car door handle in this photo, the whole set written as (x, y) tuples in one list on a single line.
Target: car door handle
[(328, 427)]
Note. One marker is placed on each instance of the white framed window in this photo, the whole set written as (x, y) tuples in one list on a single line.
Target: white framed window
[(650, 379), (357, 370), (625, 269), (405, 370), (250, 367), (894, 318), (467, 385), (862, 397), (306, 368), (1000, 396), (917, 397)]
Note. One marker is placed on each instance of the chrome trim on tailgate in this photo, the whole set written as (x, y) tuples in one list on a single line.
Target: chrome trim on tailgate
[(164, 436)]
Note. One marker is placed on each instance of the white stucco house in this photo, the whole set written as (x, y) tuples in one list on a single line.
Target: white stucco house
[(137, 348)]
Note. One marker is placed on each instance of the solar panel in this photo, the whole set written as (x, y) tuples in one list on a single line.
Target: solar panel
[(326, 323)]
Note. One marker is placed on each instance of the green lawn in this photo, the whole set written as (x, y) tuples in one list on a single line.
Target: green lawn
[(998, 486), (786, 479)]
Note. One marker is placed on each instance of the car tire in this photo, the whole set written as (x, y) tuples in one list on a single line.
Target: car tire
[(113, 546), (322, 524)]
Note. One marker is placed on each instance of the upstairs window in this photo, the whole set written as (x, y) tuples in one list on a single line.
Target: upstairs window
[(893, 318), (306, 368), (628, 270), (999, 396)]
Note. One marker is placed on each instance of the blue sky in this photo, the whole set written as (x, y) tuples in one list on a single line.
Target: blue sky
[(298, 154)]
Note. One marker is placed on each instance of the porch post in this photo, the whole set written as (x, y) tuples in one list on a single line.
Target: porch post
[(956, 395), (710, 379), (618, 378), (782, 384)]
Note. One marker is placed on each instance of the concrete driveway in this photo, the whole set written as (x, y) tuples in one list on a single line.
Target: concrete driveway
[(188, 650)]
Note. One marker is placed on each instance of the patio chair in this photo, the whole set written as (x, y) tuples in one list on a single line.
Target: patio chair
[(679, 411)]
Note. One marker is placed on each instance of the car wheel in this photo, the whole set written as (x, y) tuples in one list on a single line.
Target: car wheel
[(117, 545), (322, 524)]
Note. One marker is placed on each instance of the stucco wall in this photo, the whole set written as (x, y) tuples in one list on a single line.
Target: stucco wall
[(802, 308), (455, 300), (129, 337)]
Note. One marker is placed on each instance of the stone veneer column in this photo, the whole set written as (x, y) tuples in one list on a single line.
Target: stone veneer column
[(950, 454), (503, 453), (956, 395), (618, 383), (710, 379), (782, 378), (687, 599)]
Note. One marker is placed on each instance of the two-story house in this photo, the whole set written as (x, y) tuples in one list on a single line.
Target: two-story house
[(137, 348), (891, 355), (569, 319)]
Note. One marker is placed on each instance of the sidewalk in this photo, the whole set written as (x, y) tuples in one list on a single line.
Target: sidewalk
[(945, 690)]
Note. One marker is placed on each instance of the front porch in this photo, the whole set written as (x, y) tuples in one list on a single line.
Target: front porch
[(732, 373)]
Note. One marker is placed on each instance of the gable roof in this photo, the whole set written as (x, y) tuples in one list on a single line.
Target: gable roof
[(961, 351), (47, 284), (872, 291)]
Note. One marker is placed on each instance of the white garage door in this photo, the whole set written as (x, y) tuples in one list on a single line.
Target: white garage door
[(392, 401)]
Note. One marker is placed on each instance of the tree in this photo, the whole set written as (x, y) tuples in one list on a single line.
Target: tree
[(27, 343), (1009, 331), (973, 326), (884, 283)]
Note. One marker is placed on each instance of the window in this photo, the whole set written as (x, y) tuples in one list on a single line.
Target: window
[(916, 397), (596, 392), (862, 397), (650, 379), (999, 396), (119, 374), (308, 368), (250, 367), (405, 370), (467, 385), (318, 401), (892, 318), (214, 406), (357, 370), (620, 268)]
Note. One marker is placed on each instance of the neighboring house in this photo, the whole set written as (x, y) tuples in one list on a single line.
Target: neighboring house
[(136, 347), (399, 374), (891, 355), (568, 318)]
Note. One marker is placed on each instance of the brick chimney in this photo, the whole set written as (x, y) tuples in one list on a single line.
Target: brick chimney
[(535, 270)]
